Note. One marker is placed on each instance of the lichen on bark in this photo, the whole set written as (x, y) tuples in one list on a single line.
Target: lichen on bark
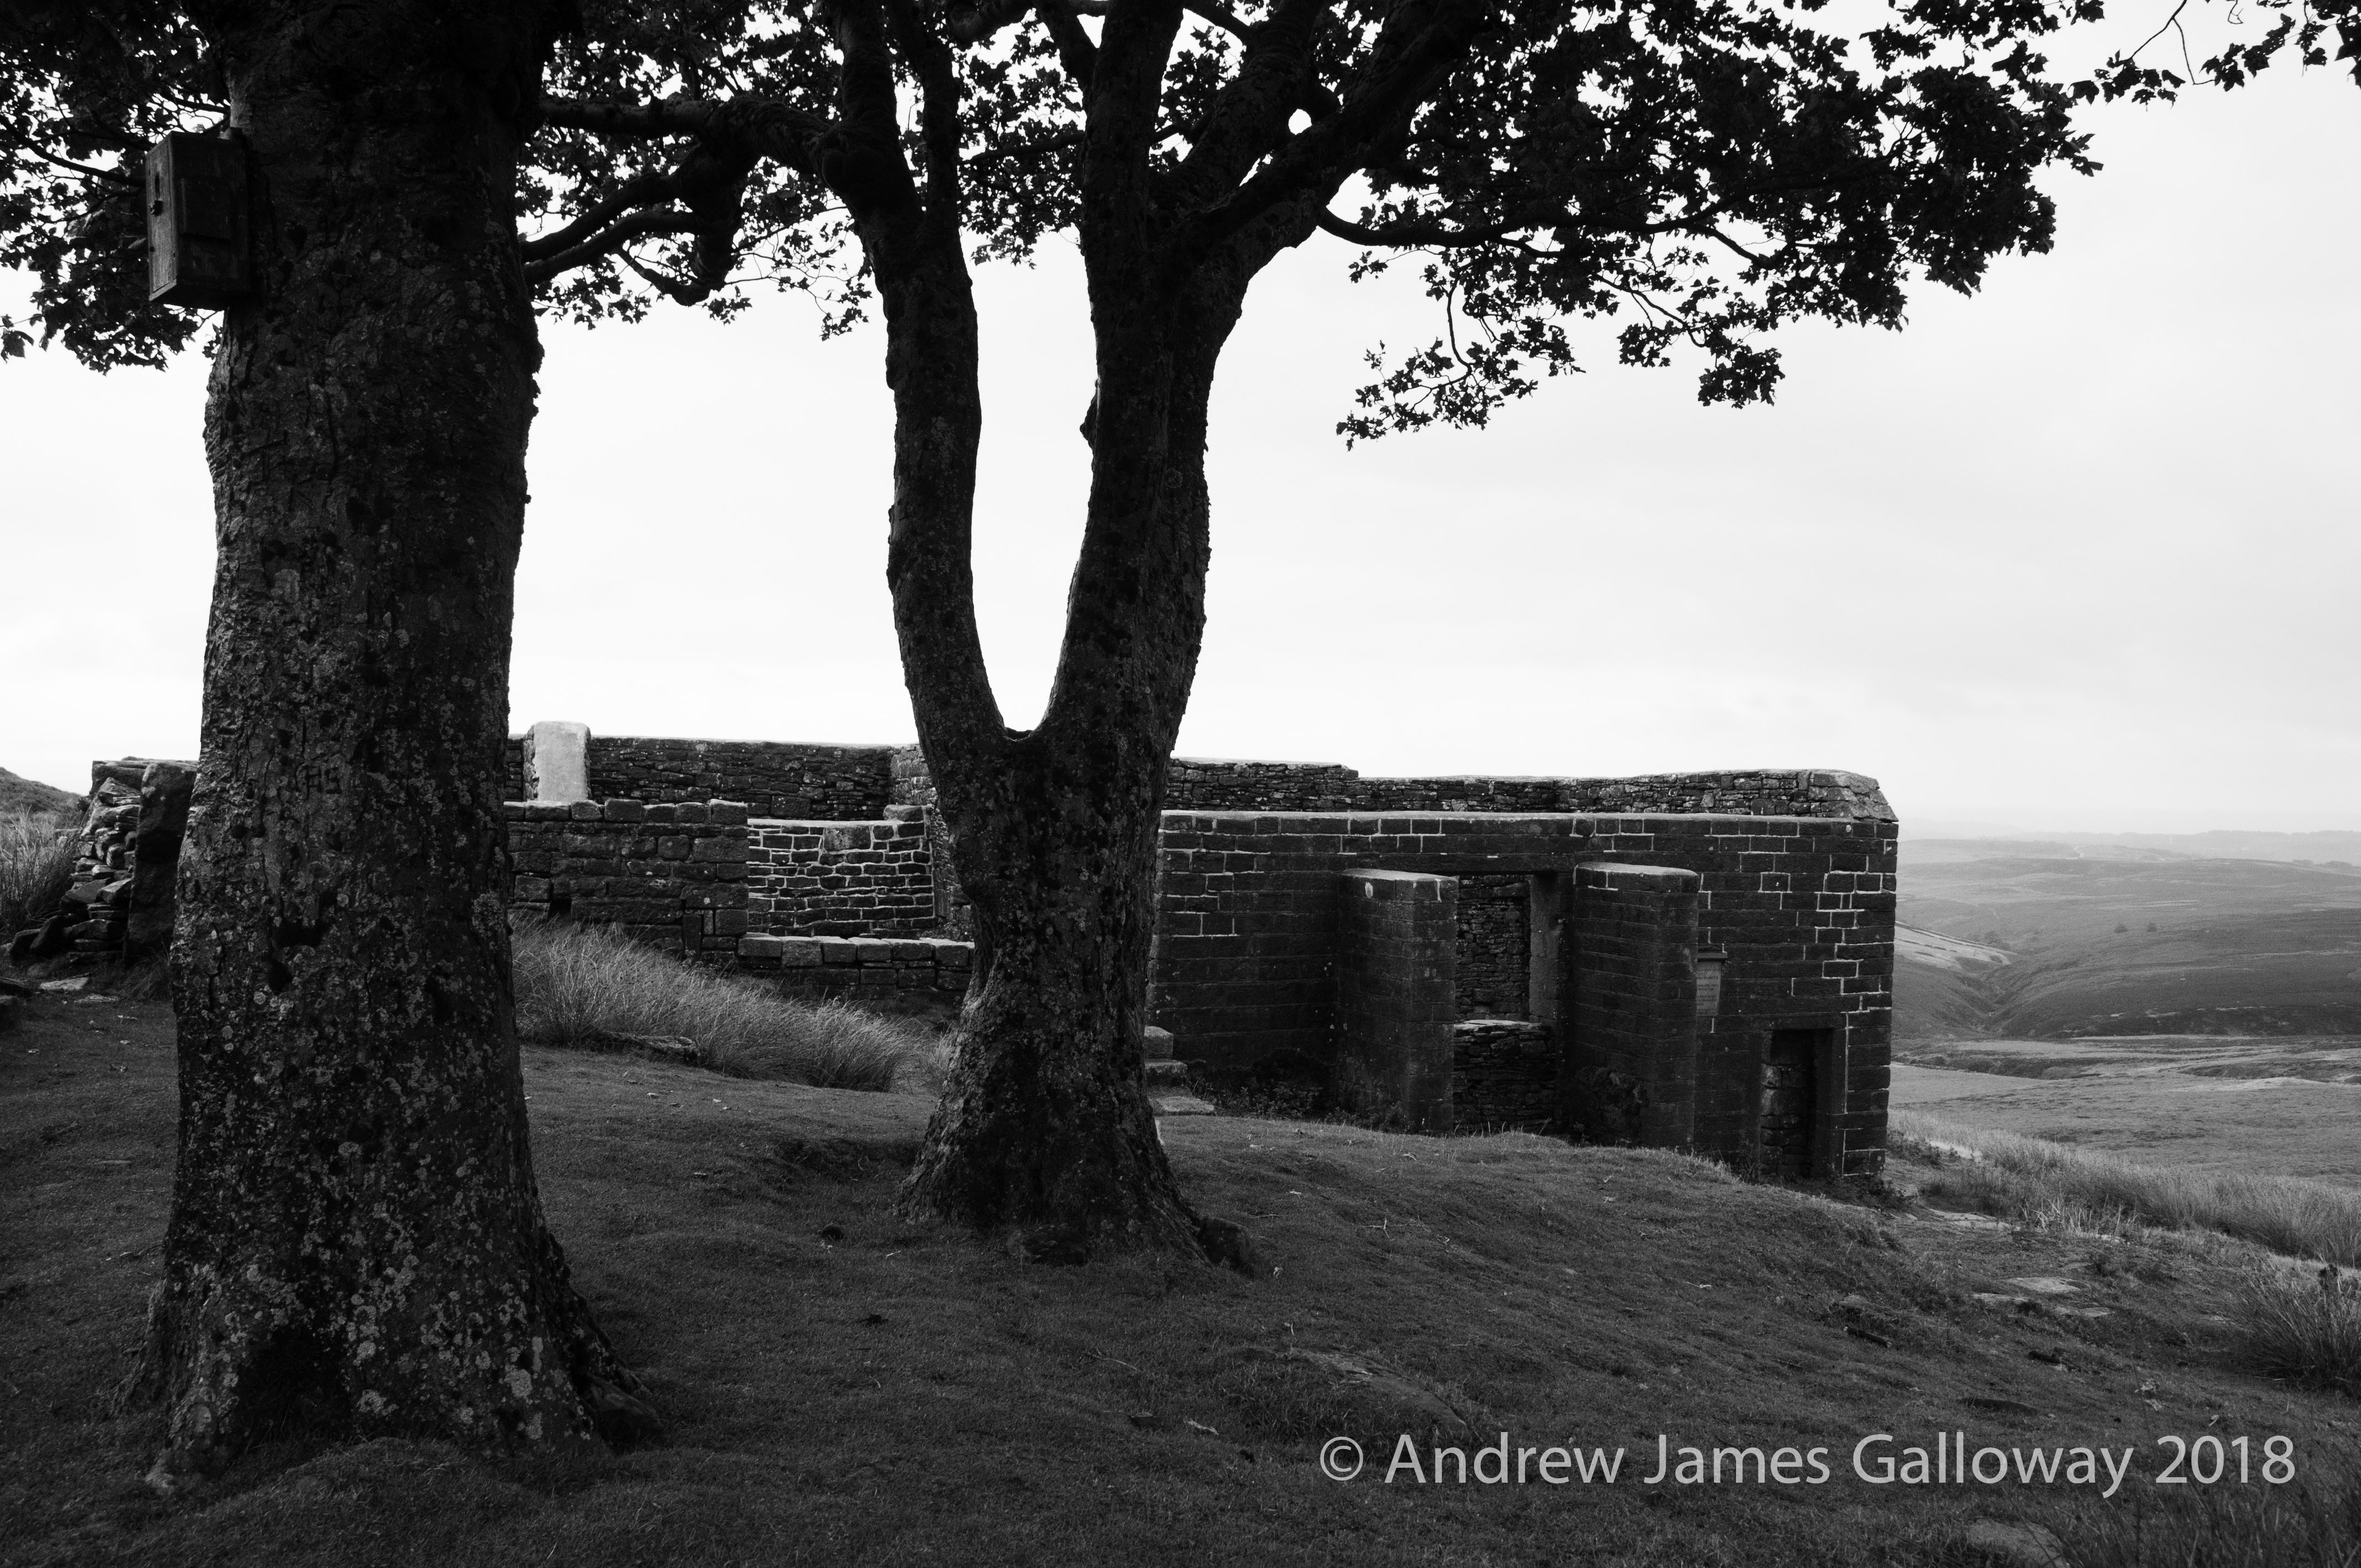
[(356, 1245)]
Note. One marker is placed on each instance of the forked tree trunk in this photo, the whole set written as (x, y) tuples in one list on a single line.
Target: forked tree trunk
[(1045, 1126), (356, 1245)]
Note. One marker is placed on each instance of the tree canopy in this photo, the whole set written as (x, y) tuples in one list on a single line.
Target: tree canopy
[(1702, 172)]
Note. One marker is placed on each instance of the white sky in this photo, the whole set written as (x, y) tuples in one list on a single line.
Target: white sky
[(2078, 552)]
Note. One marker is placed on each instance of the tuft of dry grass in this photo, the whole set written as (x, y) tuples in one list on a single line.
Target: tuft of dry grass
[(2314, 1523), (36, 861), (577, 985), (2020, 1178), (2308, 1330)]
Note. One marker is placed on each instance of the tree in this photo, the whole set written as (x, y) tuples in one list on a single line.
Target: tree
[(1706, 172), (355, 1245)]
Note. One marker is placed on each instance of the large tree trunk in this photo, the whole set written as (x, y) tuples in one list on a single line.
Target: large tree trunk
[(356, 1245), (1044, 1125)]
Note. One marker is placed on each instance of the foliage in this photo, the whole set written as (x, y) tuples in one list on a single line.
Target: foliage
[(582, 985), (1701, 173), (36, 861), (86, 87), (2298, 27)]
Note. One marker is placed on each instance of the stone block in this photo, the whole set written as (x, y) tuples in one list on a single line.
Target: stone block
[(556, 762)]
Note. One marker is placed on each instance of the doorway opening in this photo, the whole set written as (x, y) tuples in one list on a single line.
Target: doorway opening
[(1790, 1100)]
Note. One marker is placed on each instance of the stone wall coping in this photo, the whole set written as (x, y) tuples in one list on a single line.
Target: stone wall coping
[(1576, 824), (941, 951), (711, 813), (1396, 884), (1621, 873), (724, 740)]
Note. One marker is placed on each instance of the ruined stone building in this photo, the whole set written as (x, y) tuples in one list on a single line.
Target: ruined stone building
[(1697, 961)]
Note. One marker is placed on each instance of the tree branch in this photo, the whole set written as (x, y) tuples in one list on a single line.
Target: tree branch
[(1392, 84), (1119, 132), (111, 176), (1248, 116), (862, 159), (638, 225), (645, 190), (749, 123), (1415, 236), (1075, 50), (938, 107)]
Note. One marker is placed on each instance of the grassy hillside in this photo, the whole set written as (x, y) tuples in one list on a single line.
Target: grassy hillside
[(2128, 942), (31, 797), (843, 1387), (2209, 1103)]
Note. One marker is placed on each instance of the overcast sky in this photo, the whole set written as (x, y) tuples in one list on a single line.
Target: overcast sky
[(2078, 552)]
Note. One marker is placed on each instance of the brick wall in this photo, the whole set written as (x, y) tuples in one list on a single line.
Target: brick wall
[(672, 874), (1630, 1072), (925, 978), (840, 879), (1396, 934), (1493, 947), (1803, 906)]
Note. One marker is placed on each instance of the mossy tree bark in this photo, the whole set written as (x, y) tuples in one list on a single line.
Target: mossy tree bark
[(357, 1244)]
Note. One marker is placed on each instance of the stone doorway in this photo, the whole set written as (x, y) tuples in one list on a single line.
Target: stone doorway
[(1787, 1123)]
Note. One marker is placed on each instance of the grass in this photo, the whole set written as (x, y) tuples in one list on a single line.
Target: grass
[(844, 1386), (2031, 1179), (2314, 1523), (848, 1387), (587, 985), (36, 861), (2306, 1330)]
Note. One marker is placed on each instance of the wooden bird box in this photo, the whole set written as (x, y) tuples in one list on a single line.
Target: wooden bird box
[(200, 223)]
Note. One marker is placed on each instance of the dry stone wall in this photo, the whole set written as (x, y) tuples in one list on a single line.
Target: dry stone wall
[(1504, 1076), (1495, 942), (120, 901), (840, 879), (772, 778)]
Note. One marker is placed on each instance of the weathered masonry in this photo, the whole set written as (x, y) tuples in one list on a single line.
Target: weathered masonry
[(1698, 960), (1722, 983)]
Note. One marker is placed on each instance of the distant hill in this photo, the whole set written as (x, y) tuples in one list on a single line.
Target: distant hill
[(31, 797), (1979, 840), (2123, 938)]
